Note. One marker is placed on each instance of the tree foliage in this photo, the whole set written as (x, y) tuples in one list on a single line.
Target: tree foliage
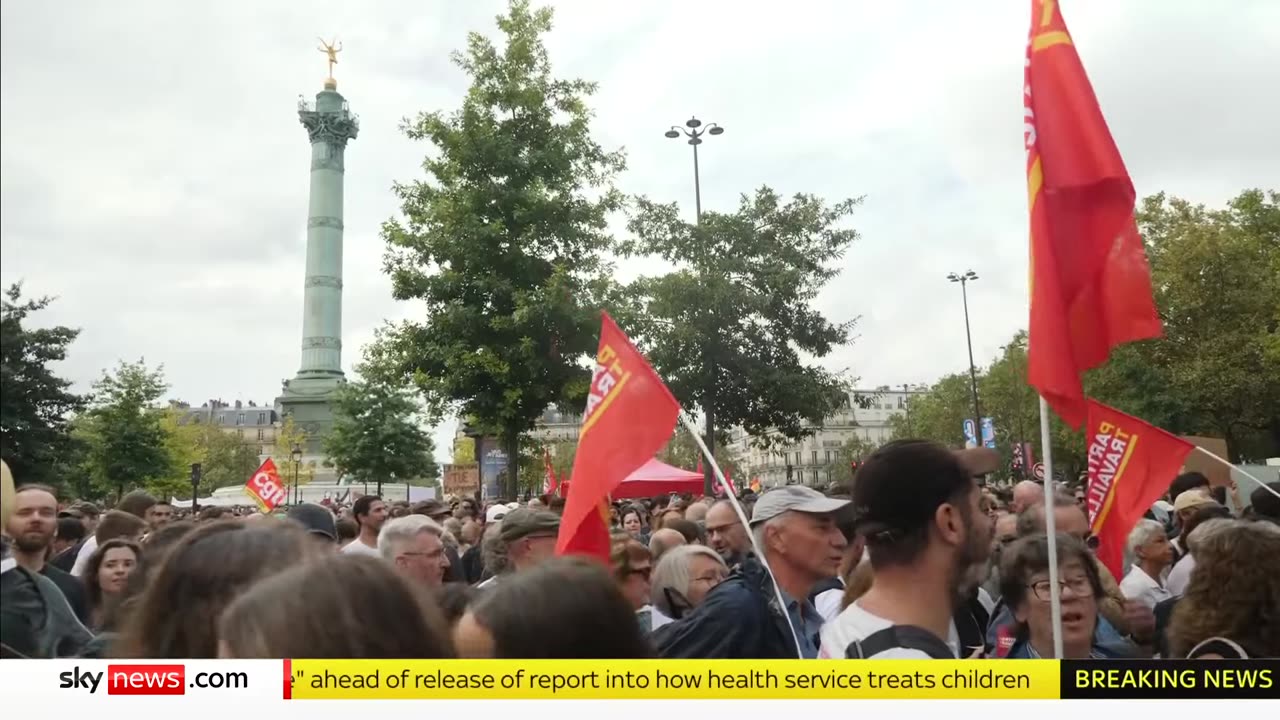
[(288, 437), (125, 433), (503, 241), (377, 436), (732, 328), (36, 404)]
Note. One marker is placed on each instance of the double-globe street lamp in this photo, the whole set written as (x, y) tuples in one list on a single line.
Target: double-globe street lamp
[(964, 279), (694, 130), (296, 456)]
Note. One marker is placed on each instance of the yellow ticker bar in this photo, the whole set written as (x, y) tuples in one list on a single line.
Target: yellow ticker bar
[(674, 679)]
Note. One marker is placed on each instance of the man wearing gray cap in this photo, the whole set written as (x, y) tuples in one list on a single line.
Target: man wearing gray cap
[(529, 537), (797, 529)]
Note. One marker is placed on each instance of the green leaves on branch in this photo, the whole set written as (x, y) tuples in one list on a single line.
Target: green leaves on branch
[(377, 437), (732, 326)]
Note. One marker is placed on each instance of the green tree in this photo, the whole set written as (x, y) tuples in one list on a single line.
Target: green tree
[(731, 327), (36, 404), (125, 431), (377, 436), (288, 437), (504, 241)]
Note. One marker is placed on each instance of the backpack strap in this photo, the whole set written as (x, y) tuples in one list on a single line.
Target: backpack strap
[(1224, 647), (900, 636)]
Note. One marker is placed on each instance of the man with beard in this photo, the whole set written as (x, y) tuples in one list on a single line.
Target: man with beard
[(919, 509), (33, 526)]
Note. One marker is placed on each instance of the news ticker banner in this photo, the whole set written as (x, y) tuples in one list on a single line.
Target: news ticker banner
[(647, 679)]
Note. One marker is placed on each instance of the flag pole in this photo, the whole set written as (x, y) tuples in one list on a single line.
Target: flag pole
[(746, 522), (1051, 530), (1261, 484)]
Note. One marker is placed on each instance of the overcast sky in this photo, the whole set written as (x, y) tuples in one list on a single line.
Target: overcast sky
[(154, 173)]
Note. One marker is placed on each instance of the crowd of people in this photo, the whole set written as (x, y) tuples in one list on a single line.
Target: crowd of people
[(920, 557)]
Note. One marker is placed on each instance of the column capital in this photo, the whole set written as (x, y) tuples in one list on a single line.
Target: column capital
[(334, 128)]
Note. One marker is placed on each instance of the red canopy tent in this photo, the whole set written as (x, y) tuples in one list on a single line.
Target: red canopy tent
[(655, 478)]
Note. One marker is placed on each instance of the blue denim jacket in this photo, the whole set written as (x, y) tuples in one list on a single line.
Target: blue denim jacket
[(1107, 641)]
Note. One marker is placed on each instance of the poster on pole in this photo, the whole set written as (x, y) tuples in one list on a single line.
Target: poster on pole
[(970, 433), (989, 432)]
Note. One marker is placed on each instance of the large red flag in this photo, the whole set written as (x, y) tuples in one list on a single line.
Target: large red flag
[(1131, 464), (1090, 284), (630, 416)]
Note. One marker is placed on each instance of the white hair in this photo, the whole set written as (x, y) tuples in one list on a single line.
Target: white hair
[(672, 573), (1143, 533), (759, 534), (403, 529)]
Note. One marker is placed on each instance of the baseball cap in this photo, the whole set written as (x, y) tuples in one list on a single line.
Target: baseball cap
[(900, 485), (1192, 499), (523, 522), (794, 498), (495, 513), (315, 519)]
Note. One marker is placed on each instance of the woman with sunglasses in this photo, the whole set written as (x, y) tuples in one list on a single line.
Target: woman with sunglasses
[(632, 564)]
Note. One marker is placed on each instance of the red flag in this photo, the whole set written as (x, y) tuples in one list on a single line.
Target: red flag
[(265, 488), (1131, 464), (630, 416), (1090, 284), (549, 485)]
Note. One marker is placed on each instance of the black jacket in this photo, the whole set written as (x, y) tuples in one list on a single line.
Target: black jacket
[(35, 619), (741, 619)]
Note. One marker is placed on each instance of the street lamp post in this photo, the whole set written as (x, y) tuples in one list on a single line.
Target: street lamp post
[(906, 403), (296, 456), (694, 130), (973, 371), (195, 486)]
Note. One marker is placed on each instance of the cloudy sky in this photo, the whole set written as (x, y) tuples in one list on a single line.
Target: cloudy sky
[(154, 174)]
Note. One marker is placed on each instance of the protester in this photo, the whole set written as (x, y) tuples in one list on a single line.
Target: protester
[(632, 522), (527, 537), (918, 507), (69, 533), (137, 503), (159, 515), (1229, 609), (201, 575), (322, 609), (88, 514), (828, 595), (438, 512), (1026, 589), (413, 544), (1187, 504), (454, 599), (632, 566), (681, 580), (347, 530), (1186, 482), (690, 531), (31, 527), (696, 513), (1196, 536), (1264, 503), (1152, 555), (466, 510), (1026, 494), (797, 530), (531, 616), (726, 534), (318, 522), (106, 580), (664, 540), (35, 619), (1180, 575), (370, 513)]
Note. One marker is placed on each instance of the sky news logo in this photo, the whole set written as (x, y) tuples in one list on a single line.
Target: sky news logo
[(148, 680)]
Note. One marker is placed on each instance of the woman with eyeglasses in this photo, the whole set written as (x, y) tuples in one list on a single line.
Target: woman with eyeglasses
[(1025, 586), (682, 580)]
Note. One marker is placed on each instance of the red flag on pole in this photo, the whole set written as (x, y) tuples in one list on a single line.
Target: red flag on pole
[(1090, 283), (549, 485), (630, 416), (1131, 464), (265, 487)]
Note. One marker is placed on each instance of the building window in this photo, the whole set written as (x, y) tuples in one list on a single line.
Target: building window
[(222, 419), (902, 401), (239, 418), (814, 474), (828, 458), (799, 458), (262, 418), (259, 433), (814, 456)]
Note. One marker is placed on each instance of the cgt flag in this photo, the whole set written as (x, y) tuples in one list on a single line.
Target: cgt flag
[(550, 484), (265, 487), (630, 415), (1131, 464), (1090, 284)]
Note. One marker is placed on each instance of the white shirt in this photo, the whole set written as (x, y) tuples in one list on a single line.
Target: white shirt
[(858, 624), (82, 557), (355, 547), (657, 618), (828, 602), (1138, 585), (1180, 576)]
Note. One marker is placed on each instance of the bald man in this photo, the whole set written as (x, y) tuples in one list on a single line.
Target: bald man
[(663, 540), (1026, 494)]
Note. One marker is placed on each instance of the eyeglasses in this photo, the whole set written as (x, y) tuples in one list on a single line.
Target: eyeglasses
[(710, 578), (1080, 587)]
